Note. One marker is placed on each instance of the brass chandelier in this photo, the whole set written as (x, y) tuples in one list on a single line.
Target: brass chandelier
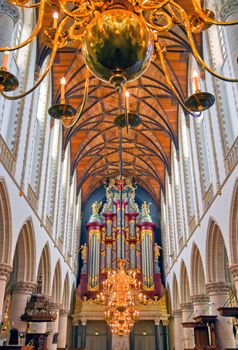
[(118, 39), (121, 295)]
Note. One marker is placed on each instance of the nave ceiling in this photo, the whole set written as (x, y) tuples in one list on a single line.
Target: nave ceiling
[(94, 143)]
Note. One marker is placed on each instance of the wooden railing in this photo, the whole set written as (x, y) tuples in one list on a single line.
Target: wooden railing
[(32, 198), (6, 157), (208, 197), (232, 157)]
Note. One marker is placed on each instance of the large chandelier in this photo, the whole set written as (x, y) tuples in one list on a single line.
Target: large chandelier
[(121, 295), (118, 38)]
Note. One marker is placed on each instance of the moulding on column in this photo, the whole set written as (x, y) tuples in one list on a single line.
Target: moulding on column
[(186, 306), (83, 321), (53, 306), (229, 8), (200, 298), (234, 271), (5, 269), (12, 11), (24, 287), (217, 288), (64, 312), (177, 313)]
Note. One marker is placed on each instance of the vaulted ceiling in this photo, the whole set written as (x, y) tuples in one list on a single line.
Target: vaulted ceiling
[(94, 142)]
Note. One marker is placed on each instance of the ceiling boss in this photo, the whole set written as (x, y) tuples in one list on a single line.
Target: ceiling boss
[(118, 39)]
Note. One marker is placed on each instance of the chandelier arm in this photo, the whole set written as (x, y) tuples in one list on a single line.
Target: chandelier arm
[(48, 68), (81, 109), (169, 81), (74, 14), (202, 15), (35, 32), (195, 51), (19, 4), (173, 15), (158, 28), (154, 7)]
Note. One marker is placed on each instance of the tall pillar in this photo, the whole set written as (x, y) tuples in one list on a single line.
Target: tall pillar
[(188, 333), (229, 12), (200, 304), (63, 319), (219, 294), (9, 16), (178, 330), (21, 293), (52, 327), (234, 271), (5, 269)]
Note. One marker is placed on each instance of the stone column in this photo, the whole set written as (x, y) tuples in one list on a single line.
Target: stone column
[(188, 333), (229, 12), (200, 304), (9, 16), (219, 294), (52, 327), (178, 330), (21, 293), (234, 271), (5, 269), (63, 319)]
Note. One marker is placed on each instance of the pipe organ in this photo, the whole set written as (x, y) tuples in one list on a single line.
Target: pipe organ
[(113, 235)]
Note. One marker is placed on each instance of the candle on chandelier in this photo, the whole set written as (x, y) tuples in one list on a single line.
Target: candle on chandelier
[(55, 17), (196, 81), (5, 59), (127, 100), (63, 83)]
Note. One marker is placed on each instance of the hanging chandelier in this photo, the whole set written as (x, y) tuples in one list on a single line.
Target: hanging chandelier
[(121, 295), (118, 39)]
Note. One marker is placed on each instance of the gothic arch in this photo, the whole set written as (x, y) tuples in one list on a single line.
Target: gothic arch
[(66, 293), (197, 273), (184, 283), (44, 271), (234, 227), (24, 265), (176, 300), (5, 225), (216, 255), (57, 284)]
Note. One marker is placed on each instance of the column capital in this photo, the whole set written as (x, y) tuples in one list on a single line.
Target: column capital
[(186, 306), (229, 8), (53, 306), (24, 287), (234, 271), (200, 298), (83, 321), (177, 313), (217, 288), (5, 269), (64, 312), (10, 10)]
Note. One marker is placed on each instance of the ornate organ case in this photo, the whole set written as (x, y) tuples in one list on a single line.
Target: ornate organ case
[(109, 240)]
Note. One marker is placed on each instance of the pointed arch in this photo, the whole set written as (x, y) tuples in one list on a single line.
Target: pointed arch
[(44, 270), (66, 293), (184, 283), (176, 300), (216, 255), (198, 283), (5, 225), (57, 284), (234, 226), (24, 264)]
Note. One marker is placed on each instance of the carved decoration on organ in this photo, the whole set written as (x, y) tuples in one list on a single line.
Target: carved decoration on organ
[(106, 239)]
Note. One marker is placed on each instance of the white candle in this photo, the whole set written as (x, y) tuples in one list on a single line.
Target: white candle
[(63, 83), (127, 100), (196, 81), (55, 17), (5, 59)]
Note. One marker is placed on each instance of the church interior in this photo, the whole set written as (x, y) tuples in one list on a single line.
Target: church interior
[(118, 174)]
